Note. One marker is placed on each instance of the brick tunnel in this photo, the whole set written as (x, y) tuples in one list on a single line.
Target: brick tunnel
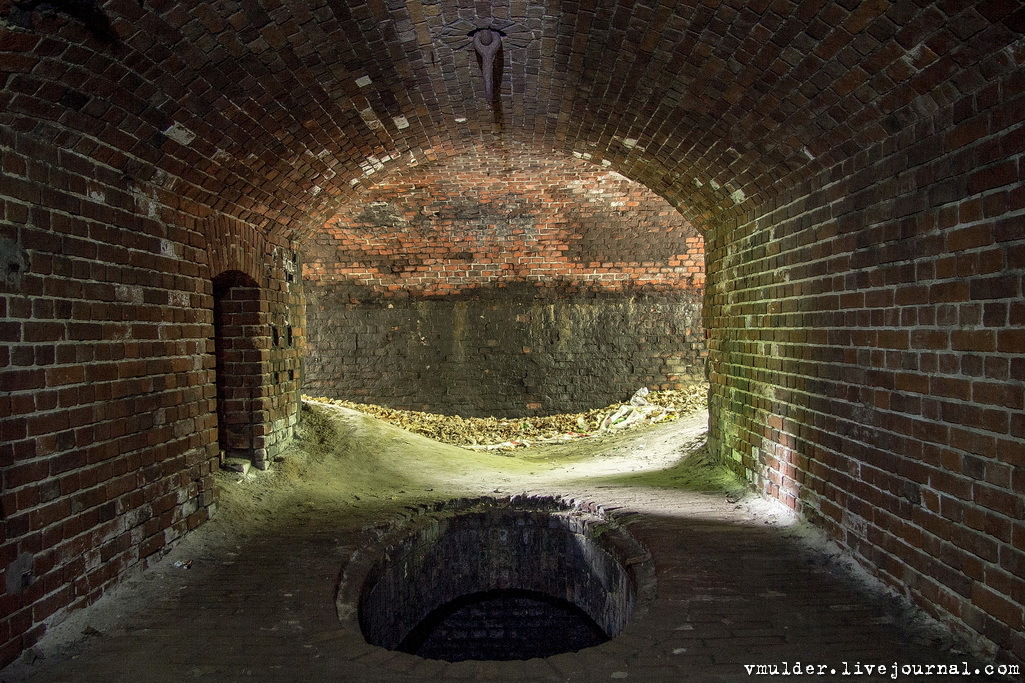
[(207, 208)]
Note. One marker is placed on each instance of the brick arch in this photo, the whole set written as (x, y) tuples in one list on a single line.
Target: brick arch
[(236, 246), (695, 102), (518, 268), (481, 216)]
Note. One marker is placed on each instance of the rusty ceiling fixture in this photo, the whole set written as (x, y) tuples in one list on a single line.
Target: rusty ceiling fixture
[(494, 43), (488, 44)]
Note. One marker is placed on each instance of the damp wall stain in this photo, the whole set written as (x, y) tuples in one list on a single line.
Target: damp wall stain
[(504, 354)]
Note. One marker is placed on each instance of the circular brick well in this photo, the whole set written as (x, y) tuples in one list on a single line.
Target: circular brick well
[(496, 579)]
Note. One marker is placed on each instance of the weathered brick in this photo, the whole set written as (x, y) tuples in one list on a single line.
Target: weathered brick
[(829, 152)]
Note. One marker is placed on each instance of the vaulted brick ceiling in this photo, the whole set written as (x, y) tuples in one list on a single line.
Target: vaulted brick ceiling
[(717, 105)]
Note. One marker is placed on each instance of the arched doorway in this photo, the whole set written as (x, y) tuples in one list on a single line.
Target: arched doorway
[(238, 338)]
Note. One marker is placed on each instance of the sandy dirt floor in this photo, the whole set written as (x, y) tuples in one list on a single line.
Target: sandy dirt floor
[(349, 466), (366, 469)]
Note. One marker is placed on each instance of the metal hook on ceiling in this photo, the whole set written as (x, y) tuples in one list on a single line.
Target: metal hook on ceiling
[(487, 43)]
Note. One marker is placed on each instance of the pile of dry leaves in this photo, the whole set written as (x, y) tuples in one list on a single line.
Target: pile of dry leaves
[(494, 433)]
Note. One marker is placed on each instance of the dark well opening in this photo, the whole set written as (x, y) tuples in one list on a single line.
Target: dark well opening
[(496, 579), (503, 624)]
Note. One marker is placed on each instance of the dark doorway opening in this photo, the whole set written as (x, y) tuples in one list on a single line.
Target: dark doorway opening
[(238, 326)]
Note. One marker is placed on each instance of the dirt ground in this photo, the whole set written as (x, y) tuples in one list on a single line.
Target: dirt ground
[(347, 465), (364, 468), (347, 460)]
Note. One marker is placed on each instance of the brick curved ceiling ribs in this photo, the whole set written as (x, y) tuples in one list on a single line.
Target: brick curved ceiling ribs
[(295, 105)]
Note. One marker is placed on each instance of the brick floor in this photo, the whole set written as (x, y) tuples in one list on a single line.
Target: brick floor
[(736, 585)]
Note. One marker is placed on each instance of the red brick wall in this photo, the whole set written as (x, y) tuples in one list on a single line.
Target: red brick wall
[(867, 319), (107, 394), (108, 420), (105, 418), (239, 333), (256, 370), (490, 216), (504, 282), (867, 356)]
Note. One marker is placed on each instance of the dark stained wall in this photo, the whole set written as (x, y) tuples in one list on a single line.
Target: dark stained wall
[(502, 352)]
